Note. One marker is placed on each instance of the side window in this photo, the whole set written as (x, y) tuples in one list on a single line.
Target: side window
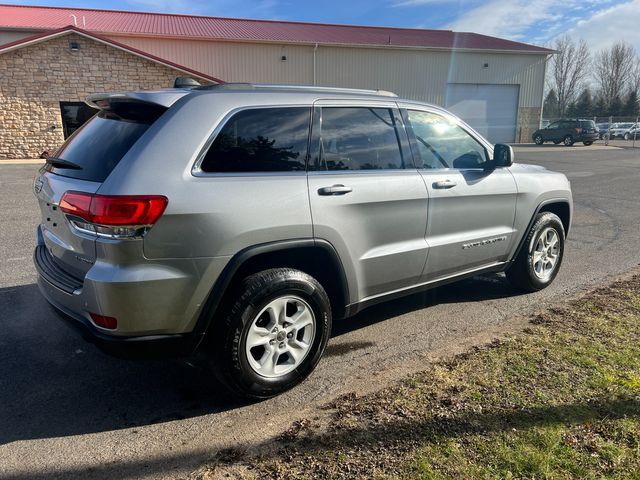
[(359, 138), (443, 144), (554, 125), (261, 140)]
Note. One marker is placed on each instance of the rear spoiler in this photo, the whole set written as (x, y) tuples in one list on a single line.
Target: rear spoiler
[(157, 98)]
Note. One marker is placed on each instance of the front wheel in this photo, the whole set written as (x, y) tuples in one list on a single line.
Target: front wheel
[(273, 334), (539, 260), (538, 140), (568, 140), (587, 143), (626, 136)]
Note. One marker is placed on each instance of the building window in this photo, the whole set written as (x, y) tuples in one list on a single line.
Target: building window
[(74, 115)]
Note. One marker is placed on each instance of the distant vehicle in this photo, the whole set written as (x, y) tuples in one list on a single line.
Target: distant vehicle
[(567, 131), (603, 129), (633, 133), (619, 130), (544, 123)]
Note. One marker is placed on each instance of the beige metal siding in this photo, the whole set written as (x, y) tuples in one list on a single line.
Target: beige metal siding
[(233, 62), (8, 36), (411, 73), (424, 75)]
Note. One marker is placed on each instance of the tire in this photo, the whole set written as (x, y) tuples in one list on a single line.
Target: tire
[(538, 140), (587, 143), (568, 140), (256, 302), (626, 136), (525, 272)]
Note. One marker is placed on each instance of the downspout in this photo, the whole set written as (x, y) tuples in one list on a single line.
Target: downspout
[(315, 49)]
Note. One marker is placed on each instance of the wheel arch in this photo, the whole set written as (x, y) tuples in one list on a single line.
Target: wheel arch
[(316, 257), (560, 207)]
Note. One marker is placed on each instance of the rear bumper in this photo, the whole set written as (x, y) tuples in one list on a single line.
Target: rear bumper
[(589, 137), (149, 346)]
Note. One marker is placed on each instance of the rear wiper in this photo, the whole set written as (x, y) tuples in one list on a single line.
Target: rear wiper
[(62, 163)]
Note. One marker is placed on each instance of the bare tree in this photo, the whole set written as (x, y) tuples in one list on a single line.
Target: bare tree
[(614, 70), (635, 77), (568, 69)]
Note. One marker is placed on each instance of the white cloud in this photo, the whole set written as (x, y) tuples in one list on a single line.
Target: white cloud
[(508, 19), (604, 28)]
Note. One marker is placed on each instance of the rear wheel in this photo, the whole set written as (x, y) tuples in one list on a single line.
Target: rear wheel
[(273, 334), (539, 260), (538, 139), (588, 143), (627, 136), (568, 140)]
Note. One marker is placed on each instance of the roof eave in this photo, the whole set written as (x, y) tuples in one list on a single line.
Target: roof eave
[(542, 51)]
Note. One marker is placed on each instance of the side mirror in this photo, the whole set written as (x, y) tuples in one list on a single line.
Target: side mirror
[(502, 155)]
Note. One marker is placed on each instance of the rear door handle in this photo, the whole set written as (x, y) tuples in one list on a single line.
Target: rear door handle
[(444, 184), (334, 190)]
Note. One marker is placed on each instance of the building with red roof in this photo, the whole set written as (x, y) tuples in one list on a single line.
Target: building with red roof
[(51, 58)]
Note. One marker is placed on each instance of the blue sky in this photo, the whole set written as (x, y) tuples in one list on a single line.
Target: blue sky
[(601, 22)]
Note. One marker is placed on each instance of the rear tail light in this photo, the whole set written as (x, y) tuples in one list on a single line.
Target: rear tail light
[(113, 215), (578, 131), (104, 321)]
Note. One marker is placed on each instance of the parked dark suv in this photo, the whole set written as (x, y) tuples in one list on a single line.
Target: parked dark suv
[(568, 132)]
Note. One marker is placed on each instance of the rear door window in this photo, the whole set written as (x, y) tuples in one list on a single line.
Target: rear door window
[(261, 140), (360, 138), (99, 145)]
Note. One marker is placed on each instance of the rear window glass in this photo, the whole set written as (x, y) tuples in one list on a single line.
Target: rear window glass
[(587, 124), (99, 145), (261, 140)]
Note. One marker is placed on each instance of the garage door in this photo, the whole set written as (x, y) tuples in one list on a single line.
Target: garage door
[(491, 109)]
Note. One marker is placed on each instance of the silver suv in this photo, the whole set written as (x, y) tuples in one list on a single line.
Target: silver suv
[(241, 220)]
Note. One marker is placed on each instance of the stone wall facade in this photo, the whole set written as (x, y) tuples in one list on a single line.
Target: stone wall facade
[(36, 78), (528, 122)]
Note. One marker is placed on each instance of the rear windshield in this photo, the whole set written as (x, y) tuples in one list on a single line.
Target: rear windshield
[(587, 124), (99, 145)]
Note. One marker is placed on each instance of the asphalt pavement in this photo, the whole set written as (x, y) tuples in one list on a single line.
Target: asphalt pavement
[(69, 411)]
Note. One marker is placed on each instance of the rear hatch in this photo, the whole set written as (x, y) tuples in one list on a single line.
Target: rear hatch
[(82, 164), (588, 126)]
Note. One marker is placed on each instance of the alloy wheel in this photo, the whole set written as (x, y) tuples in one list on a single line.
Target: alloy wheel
[(280, 336), (546, 253)]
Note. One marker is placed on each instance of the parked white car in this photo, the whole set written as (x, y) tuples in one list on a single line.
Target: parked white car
[(619, 130)]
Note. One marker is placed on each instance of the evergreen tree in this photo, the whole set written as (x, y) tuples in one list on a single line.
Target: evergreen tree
[(600, 107), (584, 105), (551, 108), (631, 106), (615, 107), (572, 110)]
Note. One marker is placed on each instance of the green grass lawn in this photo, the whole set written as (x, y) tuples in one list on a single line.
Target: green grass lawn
[(561, 400)]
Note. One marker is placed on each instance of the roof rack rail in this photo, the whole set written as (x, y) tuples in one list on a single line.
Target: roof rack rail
[(304, 88)]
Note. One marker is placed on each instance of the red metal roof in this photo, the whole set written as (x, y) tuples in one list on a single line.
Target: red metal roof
[(169, 25), (42, 37)]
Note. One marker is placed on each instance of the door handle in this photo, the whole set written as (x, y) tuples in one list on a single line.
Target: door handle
[(334, 190), (444, 184)]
